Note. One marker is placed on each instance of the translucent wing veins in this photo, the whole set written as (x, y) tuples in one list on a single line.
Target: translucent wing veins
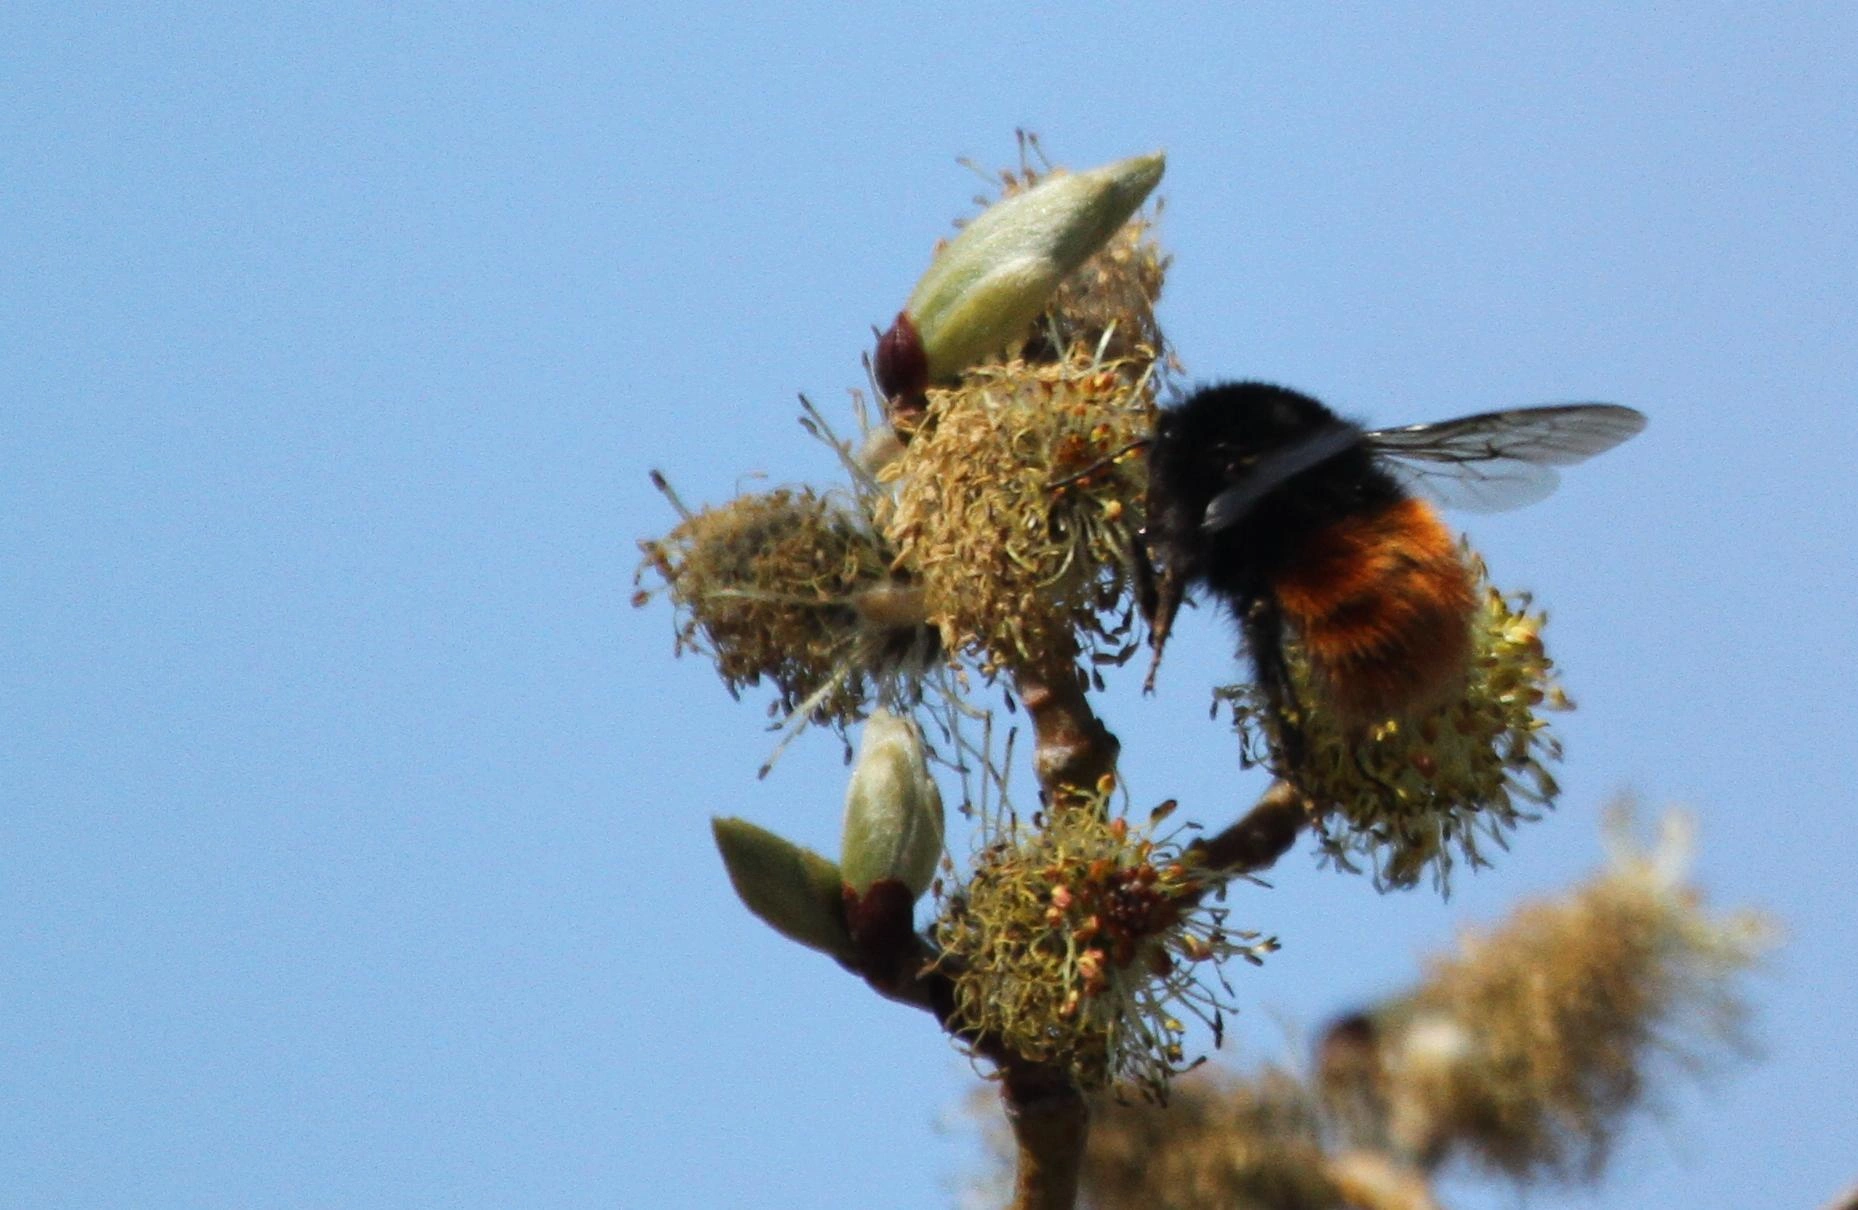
[(1499, 460)]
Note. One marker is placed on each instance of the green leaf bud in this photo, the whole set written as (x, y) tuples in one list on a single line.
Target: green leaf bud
[(995, 277), (893, 810), (795, 891)]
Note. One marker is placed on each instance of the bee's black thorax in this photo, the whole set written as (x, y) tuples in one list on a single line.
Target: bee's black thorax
[(1208, 444)]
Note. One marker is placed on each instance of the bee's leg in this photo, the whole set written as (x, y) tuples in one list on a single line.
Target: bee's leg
[(1161, 600), (1264, 640), (1142, 567)]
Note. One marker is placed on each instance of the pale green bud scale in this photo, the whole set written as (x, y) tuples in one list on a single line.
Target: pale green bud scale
[(993, 279), (893, 810)]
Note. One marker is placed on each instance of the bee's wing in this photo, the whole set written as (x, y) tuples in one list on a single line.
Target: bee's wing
[(1500, 460), (1273, 471)]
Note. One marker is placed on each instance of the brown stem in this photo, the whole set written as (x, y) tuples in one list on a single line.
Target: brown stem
[(1048, 1114), (1073, 750), (1255, 842), (1050, 1122)]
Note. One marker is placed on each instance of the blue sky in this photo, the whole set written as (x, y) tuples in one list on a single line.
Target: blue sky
[(353, 829)]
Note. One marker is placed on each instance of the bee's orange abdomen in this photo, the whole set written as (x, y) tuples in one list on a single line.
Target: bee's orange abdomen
[(1382, 603)]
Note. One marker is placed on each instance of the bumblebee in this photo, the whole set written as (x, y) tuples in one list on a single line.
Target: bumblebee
[(1306, 524)]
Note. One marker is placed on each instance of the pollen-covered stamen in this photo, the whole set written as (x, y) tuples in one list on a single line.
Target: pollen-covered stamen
[(1017, 555), (1078, 944), (795, 587), (1527, 1048), (1411, 792)]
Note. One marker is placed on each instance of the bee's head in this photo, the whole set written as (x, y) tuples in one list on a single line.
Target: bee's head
[(1248, 419), (1216, 435)]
